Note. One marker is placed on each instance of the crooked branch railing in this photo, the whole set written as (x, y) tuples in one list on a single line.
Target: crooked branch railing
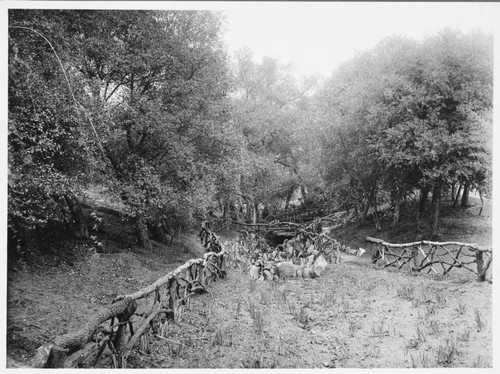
[(427, 255), (135, 313)]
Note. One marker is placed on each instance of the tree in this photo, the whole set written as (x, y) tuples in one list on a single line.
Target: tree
[(271, 109), (409, 115), (149, 95)]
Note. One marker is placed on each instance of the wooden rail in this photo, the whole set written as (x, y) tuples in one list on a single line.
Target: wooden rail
[(164, 299), (428, 255)]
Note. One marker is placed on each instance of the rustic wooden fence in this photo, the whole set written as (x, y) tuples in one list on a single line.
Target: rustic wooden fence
[(429, 256), (135, 316)]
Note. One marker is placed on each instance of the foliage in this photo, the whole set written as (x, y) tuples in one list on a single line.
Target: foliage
[(409, 115), (143, 109)]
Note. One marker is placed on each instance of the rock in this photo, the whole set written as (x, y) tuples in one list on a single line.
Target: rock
[(361, 251), (310, 249), (319, 266), (310, 260), (267, 275), (306, 273), (254, 272), (287, 269)]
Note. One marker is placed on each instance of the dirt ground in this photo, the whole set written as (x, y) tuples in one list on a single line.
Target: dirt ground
[(356, 315)]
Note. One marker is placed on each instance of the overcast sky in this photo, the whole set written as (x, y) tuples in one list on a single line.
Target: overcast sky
[(316, 37)]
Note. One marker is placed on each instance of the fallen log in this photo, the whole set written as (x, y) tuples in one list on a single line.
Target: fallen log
[(54, 354)]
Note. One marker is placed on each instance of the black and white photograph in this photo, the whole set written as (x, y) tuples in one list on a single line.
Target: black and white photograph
[(250, 185)]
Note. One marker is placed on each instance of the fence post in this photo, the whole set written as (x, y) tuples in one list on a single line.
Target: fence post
[(414, 257), (481, 275), (375, 252)]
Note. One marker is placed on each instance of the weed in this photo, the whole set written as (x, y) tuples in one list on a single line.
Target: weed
[(433, 327), (380, 330), (479, 320), (223, 337), (421, 335), (346, 306), (415, 303), (264, 297), (422, 359), (481, 362), (238, 307), (274, 287), (284, 296), (411, 344), (406, 292), (280, 347), (257, 316), (352, 328), (373, 351), (464, 336), (446, 352), (460, 308), (429, 310), (440, 301), (301, 315)]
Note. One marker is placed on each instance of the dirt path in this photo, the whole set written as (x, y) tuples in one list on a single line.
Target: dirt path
[(355, 316)]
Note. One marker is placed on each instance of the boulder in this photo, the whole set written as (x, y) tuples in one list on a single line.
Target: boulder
[(306, 273), (286, 269), (319, 267), (254, 272), (267, 275)]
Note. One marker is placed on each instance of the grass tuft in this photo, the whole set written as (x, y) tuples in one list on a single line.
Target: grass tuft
[(257, 316), (446, 352), (420, 360), (406, 292), (479, 320), (460, 308), (433, 327), (464, 336)]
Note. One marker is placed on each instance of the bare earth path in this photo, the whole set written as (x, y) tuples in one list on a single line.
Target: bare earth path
[(355, 316)]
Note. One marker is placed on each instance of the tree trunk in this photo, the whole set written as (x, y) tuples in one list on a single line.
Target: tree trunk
[(482, 202), (79, 217), (465, 194), (364, 213), (436, 205), (457, 195), (142, 232), (452, 192), (424, 194), (303, 194), (258, 216), (254, 213), (397, 205), (289, 196)]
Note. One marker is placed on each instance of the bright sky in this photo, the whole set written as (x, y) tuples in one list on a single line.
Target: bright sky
[(317, 36)]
